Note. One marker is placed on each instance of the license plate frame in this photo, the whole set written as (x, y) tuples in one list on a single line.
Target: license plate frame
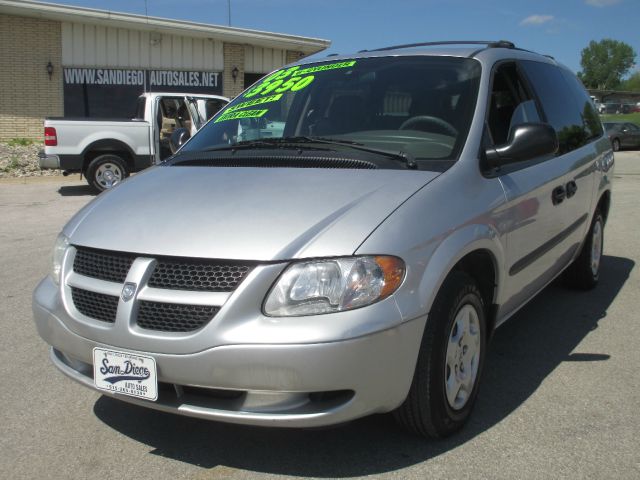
[(125, 373)]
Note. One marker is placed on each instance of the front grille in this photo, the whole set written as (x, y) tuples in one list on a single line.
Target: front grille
[(102, 264), (199, 275), (95, 305), (173, 317)]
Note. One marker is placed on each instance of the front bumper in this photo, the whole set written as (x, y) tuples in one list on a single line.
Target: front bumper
[(289, 385)]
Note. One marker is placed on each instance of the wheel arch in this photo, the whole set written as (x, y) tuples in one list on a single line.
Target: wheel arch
[(475, 250), (481, 266), (604, 204), (101, 147)]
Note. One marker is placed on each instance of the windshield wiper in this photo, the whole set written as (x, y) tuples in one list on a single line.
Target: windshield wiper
[(280, 142), (405, 157), (294, 142)]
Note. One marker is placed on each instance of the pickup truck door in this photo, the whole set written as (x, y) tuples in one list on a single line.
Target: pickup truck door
[(197, 120), (156, 125)]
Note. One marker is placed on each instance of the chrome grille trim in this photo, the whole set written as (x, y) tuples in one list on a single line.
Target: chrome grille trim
[(187, 297), (93, 284)]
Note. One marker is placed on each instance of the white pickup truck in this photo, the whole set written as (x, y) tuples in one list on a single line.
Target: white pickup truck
[(106, 151)]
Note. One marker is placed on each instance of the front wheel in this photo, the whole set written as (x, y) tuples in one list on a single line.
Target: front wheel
[(449, 367), (106, 171)]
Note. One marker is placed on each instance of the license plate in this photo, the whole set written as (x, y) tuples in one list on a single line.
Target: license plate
[(125, 373)]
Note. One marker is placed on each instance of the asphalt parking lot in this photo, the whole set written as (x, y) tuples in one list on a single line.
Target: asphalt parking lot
[(560, 396)]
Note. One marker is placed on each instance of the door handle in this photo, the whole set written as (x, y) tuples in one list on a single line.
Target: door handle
[(558, 195), (572, 188)]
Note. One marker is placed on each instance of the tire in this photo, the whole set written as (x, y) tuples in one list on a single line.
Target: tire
[(584, 272), (432, 409), (106, 171), (615, 143)]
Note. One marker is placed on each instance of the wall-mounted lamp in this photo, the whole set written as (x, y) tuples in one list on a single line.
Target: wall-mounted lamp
[(234, 74), (49, 70)]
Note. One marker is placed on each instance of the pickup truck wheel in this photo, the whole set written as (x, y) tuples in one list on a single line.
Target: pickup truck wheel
[(584, 272), (449, 366), (105, 171)]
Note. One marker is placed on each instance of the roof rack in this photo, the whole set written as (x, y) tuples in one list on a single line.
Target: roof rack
[(487, 43)]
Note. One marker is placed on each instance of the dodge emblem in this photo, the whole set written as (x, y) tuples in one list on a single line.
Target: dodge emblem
[(128, 291)]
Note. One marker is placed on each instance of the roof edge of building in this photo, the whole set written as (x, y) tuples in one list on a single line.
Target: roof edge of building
[(54, 11)]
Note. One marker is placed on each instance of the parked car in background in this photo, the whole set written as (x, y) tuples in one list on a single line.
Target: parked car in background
[(623, 134), (341, 240), (106, 151)]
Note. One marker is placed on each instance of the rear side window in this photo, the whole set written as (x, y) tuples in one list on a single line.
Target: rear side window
[(140, 105), (213, 106), (590, 116), (559, 104)]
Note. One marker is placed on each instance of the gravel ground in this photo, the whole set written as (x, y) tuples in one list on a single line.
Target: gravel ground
[(22, 161)]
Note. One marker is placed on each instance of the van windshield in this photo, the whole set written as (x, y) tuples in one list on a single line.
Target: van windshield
[(418, 105)]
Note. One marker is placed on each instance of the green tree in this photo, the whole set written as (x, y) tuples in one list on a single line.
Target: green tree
[(604, 63), (631, 84)]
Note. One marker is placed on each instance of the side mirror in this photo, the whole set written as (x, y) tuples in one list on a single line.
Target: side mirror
[(526, 142), (178, 138)]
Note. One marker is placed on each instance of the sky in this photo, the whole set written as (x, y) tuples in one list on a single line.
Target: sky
[(560, 28)]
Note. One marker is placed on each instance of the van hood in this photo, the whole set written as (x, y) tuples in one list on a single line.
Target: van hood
[(265, 214)]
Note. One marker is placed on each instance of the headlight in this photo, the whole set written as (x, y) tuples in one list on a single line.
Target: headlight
[(62, 242), (333, 285)]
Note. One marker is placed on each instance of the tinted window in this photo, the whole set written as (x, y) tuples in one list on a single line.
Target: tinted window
[(213, 106), (559, 104), (590, 117), (140, 104)]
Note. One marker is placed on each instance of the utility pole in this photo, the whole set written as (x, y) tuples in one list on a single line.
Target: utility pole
[(229, 9)]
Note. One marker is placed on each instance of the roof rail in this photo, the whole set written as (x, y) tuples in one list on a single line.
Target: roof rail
[(487, 43)]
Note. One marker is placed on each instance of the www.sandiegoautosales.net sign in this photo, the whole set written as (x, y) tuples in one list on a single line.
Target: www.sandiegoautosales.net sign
[(149, 80)]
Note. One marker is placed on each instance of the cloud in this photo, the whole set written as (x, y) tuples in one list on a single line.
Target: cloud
[(537, 19), (601, 3)]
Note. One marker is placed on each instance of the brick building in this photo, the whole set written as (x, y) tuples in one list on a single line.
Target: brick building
[(59, 60)]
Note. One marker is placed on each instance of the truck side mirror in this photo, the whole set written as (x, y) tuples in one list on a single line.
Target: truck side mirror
[(526, 142), (178, 138)]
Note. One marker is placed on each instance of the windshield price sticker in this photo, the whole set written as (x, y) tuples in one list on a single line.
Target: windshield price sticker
[(240, 114), (275, 85), (278, 85), (279, 82), (251, 103)]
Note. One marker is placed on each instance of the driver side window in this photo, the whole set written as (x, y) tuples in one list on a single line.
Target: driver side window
[(510, 104)]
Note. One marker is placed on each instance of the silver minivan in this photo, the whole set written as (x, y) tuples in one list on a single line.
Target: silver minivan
[(341, 240)]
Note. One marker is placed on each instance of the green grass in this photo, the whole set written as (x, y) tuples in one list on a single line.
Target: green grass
[(21, 142), (624, 117)]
